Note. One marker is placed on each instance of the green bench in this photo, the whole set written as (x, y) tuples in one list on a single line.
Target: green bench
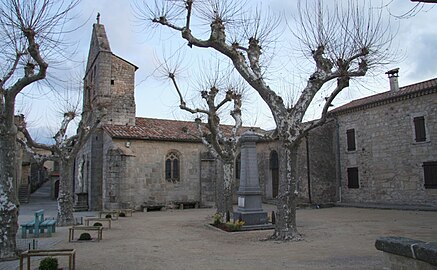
[(38, 225)]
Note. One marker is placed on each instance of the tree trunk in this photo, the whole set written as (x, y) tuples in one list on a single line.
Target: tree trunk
[(8, 198), (224, 195), (65, 198), (285, 227)]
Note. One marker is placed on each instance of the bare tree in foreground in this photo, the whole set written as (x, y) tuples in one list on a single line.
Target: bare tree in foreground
[(64, 150), (222, 141), (342, 42), (29, 32)]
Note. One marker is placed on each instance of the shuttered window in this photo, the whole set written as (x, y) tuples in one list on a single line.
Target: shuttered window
[(419, 128), (351, 140), (352, 178), (430, 174)]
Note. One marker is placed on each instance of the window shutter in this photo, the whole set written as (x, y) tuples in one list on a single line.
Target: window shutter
[(419, 128), (351, 140), (430, 174), (352, 178)]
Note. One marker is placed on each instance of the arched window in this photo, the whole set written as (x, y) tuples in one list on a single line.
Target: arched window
[(172, 167)]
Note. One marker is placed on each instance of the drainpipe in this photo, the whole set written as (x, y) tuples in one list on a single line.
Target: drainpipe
[(200, 179), (337, 131), (308, 169)]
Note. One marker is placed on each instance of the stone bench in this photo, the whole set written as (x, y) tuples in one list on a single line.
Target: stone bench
[(71, 253), (406, 253), (152, 207), (186, 204)]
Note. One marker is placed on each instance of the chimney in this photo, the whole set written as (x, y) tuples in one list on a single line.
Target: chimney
[(393, 78)]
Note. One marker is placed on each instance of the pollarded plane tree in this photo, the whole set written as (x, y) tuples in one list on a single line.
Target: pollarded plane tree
[(64, 150), (342, 40), (219, 94), (30, 37)]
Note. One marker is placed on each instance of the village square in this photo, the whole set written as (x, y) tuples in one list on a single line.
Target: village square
[(354, 188)]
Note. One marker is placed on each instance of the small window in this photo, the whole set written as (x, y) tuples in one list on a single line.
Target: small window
[(352, 178), (112, 82), (351, 140), (172, 167), (430, 174), (419, 129)]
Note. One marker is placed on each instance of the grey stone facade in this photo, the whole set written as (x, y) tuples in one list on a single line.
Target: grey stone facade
[(388, 159)]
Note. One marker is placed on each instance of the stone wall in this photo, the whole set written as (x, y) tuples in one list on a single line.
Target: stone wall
[(388, 159), (142, 173), (322, 170), (122, 87)]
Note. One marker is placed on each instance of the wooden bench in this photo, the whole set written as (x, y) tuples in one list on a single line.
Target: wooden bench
[(98, 229), (88, 219), (50, 225), (71, 253), (38, 225), (113, 213)]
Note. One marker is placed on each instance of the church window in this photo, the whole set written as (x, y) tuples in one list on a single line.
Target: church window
[(419, 129), (172, 167), (351, 139), (430, 174), (112, 81), (352, 178)]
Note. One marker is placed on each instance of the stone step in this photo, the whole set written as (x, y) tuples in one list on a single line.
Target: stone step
[(23, 194)]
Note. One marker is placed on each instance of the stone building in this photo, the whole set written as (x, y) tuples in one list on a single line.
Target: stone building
[(133, 161), (387, 152)]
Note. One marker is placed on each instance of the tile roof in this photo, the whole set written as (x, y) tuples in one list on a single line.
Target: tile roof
[(406, 92), (160, 129)]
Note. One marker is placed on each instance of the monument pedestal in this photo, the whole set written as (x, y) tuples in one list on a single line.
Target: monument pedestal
[(249, 194)]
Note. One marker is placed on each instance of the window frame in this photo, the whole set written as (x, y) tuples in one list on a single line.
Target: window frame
[(172, 167)]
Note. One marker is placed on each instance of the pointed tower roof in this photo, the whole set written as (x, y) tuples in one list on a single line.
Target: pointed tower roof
[(99, 43)]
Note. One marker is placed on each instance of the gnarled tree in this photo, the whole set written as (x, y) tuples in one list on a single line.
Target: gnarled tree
[(342, 42), (221, 140), (64, 151), (29, 32)]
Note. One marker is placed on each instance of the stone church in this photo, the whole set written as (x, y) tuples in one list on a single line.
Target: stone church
[(132, 161)]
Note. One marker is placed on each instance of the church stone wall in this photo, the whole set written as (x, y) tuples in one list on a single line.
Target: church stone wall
[(137, 176), (388, 159), (122, 87)]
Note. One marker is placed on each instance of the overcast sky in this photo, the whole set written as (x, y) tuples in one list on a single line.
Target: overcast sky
[(416, 42)]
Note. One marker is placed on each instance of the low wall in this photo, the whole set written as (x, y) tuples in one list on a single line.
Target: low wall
[(405, 253)]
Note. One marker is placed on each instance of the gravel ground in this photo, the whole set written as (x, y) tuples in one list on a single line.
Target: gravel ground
[(335, 238)]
